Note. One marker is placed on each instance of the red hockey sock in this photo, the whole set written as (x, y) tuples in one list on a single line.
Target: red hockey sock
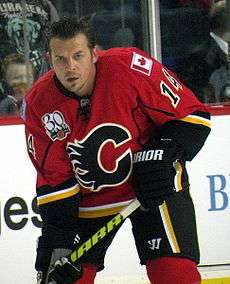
[(89, 274), (173, 270)]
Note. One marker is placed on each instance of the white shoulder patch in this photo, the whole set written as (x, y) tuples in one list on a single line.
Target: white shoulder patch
[(55, 125), (141, 64)]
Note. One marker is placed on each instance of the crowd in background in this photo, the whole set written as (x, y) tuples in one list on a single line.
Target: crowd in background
[(195, 37), (23, 25), (195, 44)]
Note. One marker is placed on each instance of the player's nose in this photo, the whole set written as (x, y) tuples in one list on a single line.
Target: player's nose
[(72, 64)]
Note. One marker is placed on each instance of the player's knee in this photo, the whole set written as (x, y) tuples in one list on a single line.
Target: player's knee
[(173, 270), (89, 274)]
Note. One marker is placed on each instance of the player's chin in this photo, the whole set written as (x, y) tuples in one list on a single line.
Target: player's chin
[(72, 87)]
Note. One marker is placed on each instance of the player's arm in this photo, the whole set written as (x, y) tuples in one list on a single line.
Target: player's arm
[(175, 110), (188, 133), (179, 141), (184, 125), (58, 193)]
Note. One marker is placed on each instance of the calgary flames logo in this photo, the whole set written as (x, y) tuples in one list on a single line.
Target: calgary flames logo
[(87, 158)]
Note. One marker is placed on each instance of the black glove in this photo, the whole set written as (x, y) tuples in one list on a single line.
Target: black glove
[(53, 241), (44, 253), (153, 172), (65, 272)]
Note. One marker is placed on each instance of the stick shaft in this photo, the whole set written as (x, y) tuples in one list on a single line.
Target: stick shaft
[(104, 231)]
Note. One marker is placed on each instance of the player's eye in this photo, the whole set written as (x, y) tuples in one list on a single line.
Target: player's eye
[(78, 56), (60, 59)]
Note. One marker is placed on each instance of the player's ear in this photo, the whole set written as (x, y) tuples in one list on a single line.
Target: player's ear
[(94, 55), (48, 58)]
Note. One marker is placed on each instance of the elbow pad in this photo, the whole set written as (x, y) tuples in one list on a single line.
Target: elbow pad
[(62, 213), (190, 137)]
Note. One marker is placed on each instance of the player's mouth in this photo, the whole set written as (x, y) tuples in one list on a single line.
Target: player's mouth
[(72, 79)]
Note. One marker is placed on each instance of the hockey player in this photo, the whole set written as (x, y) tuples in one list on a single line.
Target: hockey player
[(103, 128)]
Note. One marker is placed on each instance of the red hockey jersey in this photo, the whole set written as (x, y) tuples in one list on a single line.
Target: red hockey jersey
[(133, 97)]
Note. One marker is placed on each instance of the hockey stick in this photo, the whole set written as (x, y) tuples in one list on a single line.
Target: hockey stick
[(102, 232)]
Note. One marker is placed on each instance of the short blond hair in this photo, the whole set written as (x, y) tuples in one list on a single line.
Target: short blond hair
[(15, 58)]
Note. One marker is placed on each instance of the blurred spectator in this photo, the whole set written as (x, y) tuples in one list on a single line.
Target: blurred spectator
[(220, 33), (116, 25), (219, 79), (209, 94), (16, 70), (23, 24), (208, 64), (184, 30), (18, 76), (203, 4), (212, 6), (8, 105), (225, 94), (195, 36), (217, 6)]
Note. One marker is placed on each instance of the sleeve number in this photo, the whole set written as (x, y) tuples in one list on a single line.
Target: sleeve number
[(167, 91), (30, 145), (172, 80)]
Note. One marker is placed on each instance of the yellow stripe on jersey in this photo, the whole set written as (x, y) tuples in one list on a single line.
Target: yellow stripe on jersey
[(169, 227), (61, 194), (177, 180), (197, 120), (101, 211)]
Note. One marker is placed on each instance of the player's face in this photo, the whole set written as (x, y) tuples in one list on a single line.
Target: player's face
[(74, 63)]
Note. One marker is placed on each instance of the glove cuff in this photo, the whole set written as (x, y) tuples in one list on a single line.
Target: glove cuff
[(58, 238), (43, 255)]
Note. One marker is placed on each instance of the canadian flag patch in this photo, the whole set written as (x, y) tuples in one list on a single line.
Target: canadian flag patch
[(141, 64)]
